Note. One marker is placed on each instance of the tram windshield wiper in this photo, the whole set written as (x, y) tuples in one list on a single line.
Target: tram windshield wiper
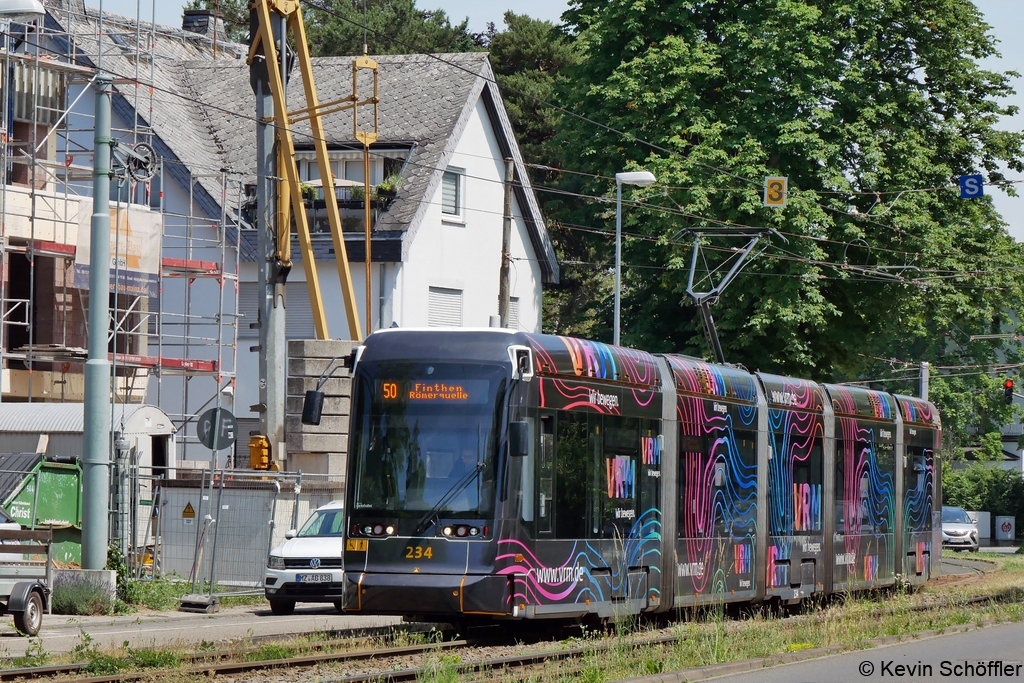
[(457, 488)]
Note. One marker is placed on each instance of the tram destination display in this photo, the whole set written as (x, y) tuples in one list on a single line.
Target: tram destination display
[(467, 391)]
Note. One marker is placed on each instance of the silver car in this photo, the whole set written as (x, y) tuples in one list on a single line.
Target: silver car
[(958, 531)]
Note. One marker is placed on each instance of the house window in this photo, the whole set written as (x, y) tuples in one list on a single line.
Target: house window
[(513, 313), (444, 308), (248, 309), (451, 193), (298, 322)]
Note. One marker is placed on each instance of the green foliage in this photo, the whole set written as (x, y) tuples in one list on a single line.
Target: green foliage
[(80, 594), (270, 651), (235, 14), (529, 57), (127, 587), (161, 594), (853, 102), (35, 655), (981, 487), (393, 182), (339, 30), (391, 23)]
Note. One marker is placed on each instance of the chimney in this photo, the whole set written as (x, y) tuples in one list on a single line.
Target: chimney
[(205, 22)]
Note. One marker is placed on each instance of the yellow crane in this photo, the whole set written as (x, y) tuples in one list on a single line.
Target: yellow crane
[(274, 23), (289, 193)]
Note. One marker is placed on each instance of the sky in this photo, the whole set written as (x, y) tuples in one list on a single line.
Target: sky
[(1005, 17)]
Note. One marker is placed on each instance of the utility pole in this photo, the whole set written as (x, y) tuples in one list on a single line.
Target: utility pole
[(273, 273), (506, 240), (96, 408), (924, 380)]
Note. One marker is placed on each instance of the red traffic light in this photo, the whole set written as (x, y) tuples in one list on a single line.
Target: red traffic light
[(1008, 384)]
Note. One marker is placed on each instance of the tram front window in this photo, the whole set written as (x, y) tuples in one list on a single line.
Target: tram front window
[(423, 433)]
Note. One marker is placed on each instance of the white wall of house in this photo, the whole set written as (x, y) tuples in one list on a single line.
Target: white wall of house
[(463, 253)]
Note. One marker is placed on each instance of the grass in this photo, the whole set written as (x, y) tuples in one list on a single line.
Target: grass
[(165, 594)]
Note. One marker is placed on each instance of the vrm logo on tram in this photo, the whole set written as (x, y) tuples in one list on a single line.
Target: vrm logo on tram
[(621, 471)]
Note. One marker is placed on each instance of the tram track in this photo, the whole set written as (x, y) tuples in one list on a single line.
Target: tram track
[(477, 658), (468, 656)]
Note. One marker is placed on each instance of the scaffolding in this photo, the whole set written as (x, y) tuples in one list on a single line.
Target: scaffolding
[(180, 328)]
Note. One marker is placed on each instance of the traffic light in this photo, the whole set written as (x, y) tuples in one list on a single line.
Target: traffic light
[(1008, 391)]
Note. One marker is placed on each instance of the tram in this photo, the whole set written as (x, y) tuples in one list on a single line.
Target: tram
[(497, 475)]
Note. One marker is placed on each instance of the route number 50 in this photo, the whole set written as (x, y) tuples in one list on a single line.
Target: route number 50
[(775, 189)]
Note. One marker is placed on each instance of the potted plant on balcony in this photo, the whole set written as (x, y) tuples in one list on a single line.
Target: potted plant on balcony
[(390, 186)]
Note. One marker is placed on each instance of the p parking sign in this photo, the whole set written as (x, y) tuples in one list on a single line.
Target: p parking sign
[(972, 186), (775, 188)]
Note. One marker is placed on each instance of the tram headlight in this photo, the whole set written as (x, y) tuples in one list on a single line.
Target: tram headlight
[(275, 562), (447, 531), (390, 530)]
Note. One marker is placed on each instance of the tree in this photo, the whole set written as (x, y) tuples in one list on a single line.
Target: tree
[(334, 27), (864, 106), (235, 14), (395, 27)]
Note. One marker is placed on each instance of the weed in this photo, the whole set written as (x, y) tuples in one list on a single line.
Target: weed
[(85, 648), (442, 669), (268, 652), (105, 665), (151, 658), (35, 654)]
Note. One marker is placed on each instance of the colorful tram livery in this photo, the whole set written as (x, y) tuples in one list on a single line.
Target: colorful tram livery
[(495, 474)]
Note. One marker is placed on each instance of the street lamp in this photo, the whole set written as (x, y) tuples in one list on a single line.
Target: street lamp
[(641, 179)]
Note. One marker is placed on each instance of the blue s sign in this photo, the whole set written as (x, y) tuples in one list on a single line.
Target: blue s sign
[(972, 186)]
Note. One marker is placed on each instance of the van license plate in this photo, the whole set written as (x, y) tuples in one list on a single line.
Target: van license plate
[(312, 578)]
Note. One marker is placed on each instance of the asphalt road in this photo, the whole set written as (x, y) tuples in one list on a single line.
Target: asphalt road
[(994, 654)]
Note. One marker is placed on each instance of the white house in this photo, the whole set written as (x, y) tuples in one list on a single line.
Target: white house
[(436, 247)]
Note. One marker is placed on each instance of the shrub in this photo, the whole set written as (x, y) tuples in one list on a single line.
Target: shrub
[(80, 594), (978, 487)]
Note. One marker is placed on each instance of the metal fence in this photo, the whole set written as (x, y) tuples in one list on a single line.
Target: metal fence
[(216, 529)]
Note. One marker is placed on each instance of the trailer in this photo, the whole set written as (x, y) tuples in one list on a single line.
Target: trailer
[(25, 576)]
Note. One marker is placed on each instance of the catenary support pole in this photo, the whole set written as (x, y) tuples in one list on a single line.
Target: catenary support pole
[(272, 273), (96, 437), (924, 379), (506, 241), (618, 259)]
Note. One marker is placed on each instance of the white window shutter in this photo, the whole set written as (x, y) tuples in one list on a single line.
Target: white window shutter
[(513, 313), (299, 313), (248, 309), (444, 308), (450, 193)]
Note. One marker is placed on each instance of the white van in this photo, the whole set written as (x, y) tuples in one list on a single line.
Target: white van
[(307, 567)]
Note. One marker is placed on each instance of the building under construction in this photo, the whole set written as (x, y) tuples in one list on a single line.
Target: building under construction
[(174, 246)]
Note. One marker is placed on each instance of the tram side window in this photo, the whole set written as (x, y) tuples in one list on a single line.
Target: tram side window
[(615, 497), (807, 490), (853, 494), (885, 456), (570, 468)]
